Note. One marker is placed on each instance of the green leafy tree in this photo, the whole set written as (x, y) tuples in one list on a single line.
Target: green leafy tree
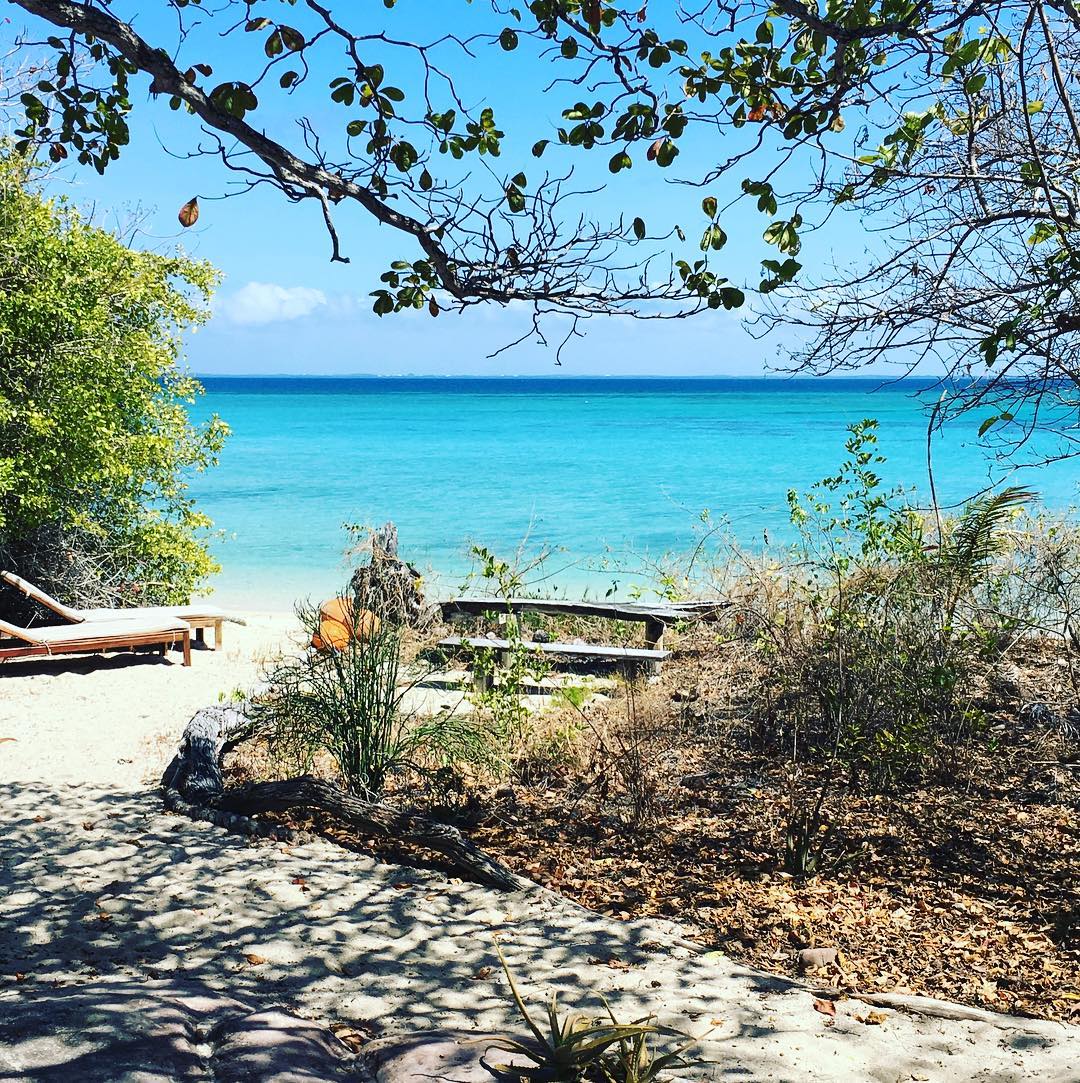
[(95, 439), (952, 129)]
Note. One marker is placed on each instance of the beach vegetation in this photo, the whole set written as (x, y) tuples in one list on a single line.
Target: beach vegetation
[(581, 1048), (948, 132), (874, 646), (351, 702), (97, 442)]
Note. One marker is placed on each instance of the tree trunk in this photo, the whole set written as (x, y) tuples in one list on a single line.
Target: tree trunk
[(391, 587), (193, 784), (372, 818)]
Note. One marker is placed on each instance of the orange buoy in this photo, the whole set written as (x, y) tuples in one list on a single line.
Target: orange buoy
[(339, 624)]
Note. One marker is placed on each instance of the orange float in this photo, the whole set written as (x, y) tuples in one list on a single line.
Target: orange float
[(339, 624)]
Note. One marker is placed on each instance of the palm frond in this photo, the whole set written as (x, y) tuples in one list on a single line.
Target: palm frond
[(973, 540)]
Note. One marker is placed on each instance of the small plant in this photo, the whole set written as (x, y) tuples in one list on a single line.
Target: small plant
[(633, 1060), (349, 702), (583, 1049), (573, 695), (502, 675), (807, 838)]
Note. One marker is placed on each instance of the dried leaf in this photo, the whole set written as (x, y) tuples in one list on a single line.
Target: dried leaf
[(253, 959), (826, 1007), (189, 213)]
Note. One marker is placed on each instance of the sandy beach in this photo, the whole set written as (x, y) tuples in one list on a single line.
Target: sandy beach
[(100, 887), (115, 720)]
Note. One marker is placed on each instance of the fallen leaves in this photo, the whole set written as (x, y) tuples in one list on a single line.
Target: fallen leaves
[(826, 1007), (959, 894)]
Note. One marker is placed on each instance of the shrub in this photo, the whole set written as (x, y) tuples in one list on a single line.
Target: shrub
[(351, 704), (95, 439), (579, 1048), (873, 643)]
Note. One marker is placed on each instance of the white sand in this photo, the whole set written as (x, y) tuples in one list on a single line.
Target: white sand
[(116, 720), (96, 882)]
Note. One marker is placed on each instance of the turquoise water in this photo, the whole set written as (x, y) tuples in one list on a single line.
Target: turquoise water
[(608, 470)]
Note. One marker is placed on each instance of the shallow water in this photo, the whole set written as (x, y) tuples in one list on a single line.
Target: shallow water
[(598, 467)]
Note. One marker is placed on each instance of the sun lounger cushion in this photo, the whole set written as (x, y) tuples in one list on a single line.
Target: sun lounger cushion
[(118, 629), (155, 612)]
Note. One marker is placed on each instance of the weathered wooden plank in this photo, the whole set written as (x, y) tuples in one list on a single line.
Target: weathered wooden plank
[(99, 644), (573, 650), (641, 612)]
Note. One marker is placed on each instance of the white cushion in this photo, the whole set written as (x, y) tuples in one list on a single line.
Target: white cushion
[(156, 612), (104, 629)]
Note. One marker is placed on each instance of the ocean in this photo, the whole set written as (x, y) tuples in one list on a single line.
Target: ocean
[(609, 473)]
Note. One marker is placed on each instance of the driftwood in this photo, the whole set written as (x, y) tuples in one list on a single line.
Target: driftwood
[(193, 785), (390, 586)]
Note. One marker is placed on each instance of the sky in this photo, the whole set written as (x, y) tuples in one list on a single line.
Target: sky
[(284, 307)]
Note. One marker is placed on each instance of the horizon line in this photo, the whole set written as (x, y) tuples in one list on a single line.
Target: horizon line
[(880, 377)]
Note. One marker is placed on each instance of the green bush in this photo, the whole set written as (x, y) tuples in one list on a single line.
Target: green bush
[(874, 641), (96, 444), (352, 704)]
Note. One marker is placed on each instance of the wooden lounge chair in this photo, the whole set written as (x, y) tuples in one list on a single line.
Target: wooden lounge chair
[(91, 637), (199, 616)]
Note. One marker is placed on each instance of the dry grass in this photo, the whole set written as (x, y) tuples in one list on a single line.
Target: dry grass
[(964, 890)]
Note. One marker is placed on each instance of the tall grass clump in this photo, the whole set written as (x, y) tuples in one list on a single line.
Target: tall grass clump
[(873, 637), (352, 703)]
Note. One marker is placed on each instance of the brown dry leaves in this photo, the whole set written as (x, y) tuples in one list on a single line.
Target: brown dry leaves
[(968, 896)]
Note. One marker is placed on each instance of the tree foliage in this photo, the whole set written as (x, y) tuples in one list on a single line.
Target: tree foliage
[(951, 129), (95, 437)]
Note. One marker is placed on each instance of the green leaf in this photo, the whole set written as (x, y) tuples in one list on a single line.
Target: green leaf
[(508, 39), (620, 160), (515, 199), (292, 39), (639, 228), (708, 205), (569, 48), (1034, 107)]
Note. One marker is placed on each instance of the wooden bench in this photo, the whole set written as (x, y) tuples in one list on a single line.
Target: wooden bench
[(656, 616), (650, 658)]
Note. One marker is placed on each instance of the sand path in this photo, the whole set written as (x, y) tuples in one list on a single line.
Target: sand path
[(97, 883)]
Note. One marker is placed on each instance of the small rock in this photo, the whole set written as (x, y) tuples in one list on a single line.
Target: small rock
[(812, 958)]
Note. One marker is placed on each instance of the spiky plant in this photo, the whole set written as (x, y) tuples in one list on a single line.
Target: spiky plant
[(571, 1049)]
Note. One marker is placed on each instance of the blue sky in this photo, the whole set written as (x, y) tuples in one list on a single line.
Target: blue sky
[(285, 308)]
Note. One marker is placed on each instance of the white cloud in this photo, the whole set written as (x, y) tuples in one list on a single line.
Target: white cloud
[(266, 302)]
